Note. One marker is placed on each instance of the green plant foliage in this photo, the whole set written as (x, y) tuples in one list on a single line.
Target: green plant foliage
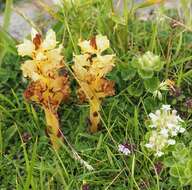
[(151, 84), (29, 164), (127, 71), (180, 165), (135, 89)]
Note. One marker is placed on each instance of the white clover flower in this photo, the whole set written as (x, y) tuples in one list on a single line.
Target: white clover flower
[(159, 154), (165, 124), (182, 130), (173, 133), (123, 149), (158, 113), (164, 132), (166, 107), (171, 141), (153, 117)]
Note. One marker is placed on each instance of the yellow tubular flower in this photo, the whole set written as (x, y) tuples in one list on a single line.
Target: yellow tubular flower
[(98, 45), (90, 69), (48, 88)]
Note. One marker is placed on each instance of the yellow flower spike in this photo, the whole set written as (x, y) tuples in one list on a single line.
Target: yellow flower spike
[(48, 88), (90, 69)]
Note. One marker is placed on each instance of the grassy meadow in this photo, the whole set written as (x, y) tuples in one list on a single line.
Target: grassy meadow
[(27, 159)]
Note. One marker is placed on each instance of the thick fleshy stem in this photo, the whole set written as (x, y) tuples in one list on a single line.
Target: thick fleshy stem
[(53, 129), (94, 114)]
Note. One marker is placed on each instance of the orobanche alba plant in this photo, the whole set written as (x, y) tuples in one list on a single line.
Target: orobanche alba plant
[(47, 88), (90, 69)]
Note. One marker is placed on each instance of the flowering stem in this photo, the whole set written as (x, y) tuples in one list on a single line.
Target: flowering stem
[(53, 128), (94, 114)]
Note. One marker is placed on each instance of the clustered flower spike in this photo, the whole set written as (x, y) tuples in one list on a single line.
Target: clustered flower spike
[(165, 124), (90, 69), (47, 88)]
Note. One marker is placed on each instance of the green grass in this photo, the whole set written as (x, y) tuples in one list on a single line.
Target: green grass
[(35, 165)]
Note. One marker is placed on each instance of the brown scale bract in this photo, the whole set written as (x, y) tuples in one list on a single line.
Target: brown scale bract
[(50, 94), (37, 41)]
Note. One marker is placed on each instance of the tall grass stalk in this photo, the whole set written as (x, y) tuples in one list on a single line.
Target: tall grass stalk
[(6, 22), (7, 14)]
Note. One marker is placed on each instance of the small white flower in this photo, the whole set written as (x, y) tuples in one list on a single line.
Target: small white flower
[(164, 132), (159, 154), (177, 128), (173, 133), (179, 118), (148, 145), (174, 112), (158, 113), (166, 107), (170, 126), (182, 130), (123, 149), (171, 141), (153, 117)]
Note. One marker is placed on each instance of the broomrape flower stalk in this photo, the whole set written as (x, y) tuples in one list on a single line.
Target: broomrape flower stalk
[(90, 69), (165, 124), (47, 88)]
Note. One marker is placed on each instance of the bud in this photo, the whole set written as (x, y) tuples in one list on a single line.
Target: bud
[(147, 64)]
